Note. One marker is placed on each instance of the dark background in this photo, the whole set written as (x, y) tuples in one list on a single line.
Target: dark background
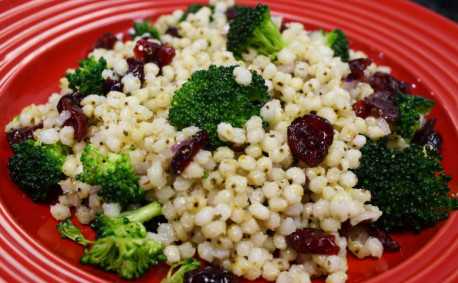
[(447, 8)]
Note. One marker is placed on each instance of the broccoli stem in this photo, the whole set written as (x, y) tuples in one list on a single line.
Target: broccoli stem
[(144, 213)]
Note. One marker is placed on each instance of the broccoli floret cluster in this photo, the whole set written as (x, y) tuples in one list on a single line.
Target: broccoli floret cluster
[(121, 248), (407, 185), (411, 108), (337, 41), (114, 173), (141, 28), (253, 27), (128, 223), (192, 9), (88, 79), (213, 96), (37, 167)]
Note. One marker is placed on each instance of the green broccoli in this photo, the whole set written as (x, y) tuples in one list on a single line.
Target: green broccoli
[(337, 41), (186, 266), (127, 224), (146, 26), (129, 257), (405, 186), (192, 9), (411, 108), (114, 173), (88, 78), (37, 167), (213, 96), (253, 27)]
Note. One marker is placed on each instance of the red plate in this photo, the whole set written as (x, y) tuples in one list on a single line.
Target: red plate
[(40, 40)]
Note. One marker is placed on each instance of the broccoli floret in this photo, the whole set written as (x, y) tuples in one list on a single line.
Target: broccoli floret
[(71, 231), (88, 79), (405, 186), (146, 26), (411, 108), (213, 96), (37, 167), (129, 257), (337, 41), (253, 27), (114, 173), (127, 224), (178, 277), (192, 9)]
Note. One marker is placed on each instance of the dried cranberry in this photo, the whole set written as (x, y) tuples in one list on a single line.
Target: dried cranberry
[(111, 85), (186, 152), (404, 87), (428, 136), (77, 120), (345, 228), (165, 55), (389, 244), (146, 50), (210, 274), (173, 31), (151, 52), (310, 240), (362, 109), (230, 13), (386, 104), (283, 26), (385, 82), (309, 138), (74, 97), (177, 146), (136, 67), (106, 41), (19, 135), (357, 67)]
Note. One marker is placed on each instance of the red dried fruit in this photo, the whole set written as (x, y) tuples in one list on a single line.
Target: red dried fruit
[(165, 55), (19, 135), (145, 49), (230, 13), (210, 274), (177, 146), (310, 240), (136, 67), (372, 230), (74, 97), (186, 152), (106, 41), (283, 26), (357, 67), (309, 138), (362, 109), (151, 52), (77, 120), (389, 245), (385, 82), (386, 104), (111, 85), (428, 136), (173, 31), (345, 228)]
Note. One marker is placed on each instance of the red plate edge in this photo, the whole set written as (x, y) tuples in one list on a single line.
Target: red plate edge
[(427, 262)]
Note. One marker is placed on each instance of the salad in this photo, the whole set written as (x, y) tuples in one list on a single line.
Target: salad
[(254, 139)]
